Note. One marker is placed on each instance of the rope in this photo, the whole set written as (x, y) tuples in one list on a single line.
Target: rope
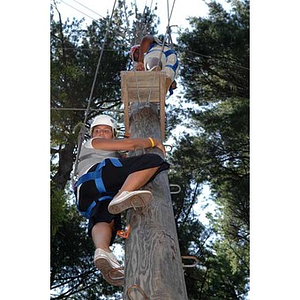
[(167, 29), (127, 20), (163, 45), (161, 52), (78, 10), (137, 86), (150, 92), (82, 130), (143, 32), (87, 8)]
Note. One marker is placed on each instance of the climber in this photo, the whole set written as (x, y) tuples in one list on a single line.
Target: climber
[(108, 185), (151, 55)]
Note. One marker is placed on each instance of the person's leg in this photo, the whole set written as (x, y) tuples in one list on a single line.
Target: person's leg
[(129, 194), (104, 259), (101, 235), (138, 179), (171, 70), (153, 64), (168, 83)]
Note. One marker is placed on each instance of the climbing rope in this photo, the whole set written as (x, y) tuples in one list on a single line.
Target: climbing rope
[(168, 32), (167, 29), (144, 32), (137, 86), (83, 128)]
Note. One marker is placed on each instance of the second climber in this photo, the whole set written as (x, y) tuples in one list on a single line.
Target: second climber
[(152, 55)]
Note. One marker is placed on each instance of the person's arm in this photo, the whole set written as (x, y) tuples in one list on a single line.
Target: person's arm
[(127, 144), (147, 40)]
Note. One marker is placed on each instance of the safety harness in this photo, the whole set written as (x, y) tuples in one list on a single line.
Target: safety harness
[(97, 177)]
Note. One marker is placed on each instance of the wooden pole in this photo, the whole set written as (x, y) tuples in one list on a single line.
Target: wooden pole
[(153, 264)]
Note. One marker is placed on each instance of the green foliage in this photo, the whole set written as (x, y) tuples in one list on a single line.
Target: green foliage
[(58, 207), (75, 53), (215, 55), (73, 275), (215, 74)]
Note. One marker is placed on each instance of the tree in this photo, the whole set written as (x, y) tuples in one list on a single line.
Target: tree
[(215, 55), (215, 74), (74, 56)]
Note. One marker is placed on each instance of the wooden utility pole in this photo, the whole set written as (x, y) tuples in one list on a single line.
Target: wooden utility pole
[(146, 87), (153, 264)]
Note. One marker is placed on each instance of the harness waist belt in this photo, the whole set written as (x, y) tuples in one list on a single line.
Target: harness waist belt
[(97, 177)]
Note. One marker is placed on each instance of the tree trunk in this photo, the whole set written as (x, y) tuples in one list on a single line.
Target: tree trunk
[(153, 264), (65, 165)]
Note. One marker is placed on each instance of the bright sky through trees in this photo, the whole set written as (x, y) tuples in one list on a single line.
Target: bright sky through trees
[(182, 9)]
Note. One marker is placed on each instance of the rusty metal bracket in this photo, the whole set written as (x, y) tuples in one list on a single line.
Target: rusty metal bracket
[(196, 261)]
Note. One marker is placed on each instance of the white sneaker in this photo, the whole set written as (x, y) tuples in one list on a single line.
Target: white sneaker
[(127, 200), (110, 268)]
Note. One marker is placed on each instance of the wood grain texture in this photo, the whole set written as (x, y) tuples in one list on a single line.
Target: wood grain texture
[(143, 86), (152, 256)]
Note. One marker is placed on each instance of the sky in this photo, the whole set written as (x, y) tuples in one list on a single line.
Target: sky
[(181, 11)]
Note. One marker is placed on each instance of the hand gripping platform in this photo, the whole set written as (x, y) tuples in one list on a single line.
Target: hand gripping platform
[(144, 86)]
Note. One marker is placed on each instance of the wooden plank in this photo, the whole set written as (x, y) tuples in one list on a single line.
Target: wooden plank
[(142, 86), (143, 95), (143, 76)]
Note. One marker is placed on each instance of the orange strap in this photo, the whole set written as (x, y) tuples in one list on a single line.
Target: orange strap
[(124, 233)]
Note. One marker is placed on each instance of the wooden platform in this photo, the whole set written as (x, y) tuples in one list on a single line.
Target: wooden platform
[(144, 86)]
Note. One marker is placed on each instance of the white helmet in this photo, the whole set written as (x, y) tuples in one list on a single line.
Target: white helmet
[(104, 120)]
